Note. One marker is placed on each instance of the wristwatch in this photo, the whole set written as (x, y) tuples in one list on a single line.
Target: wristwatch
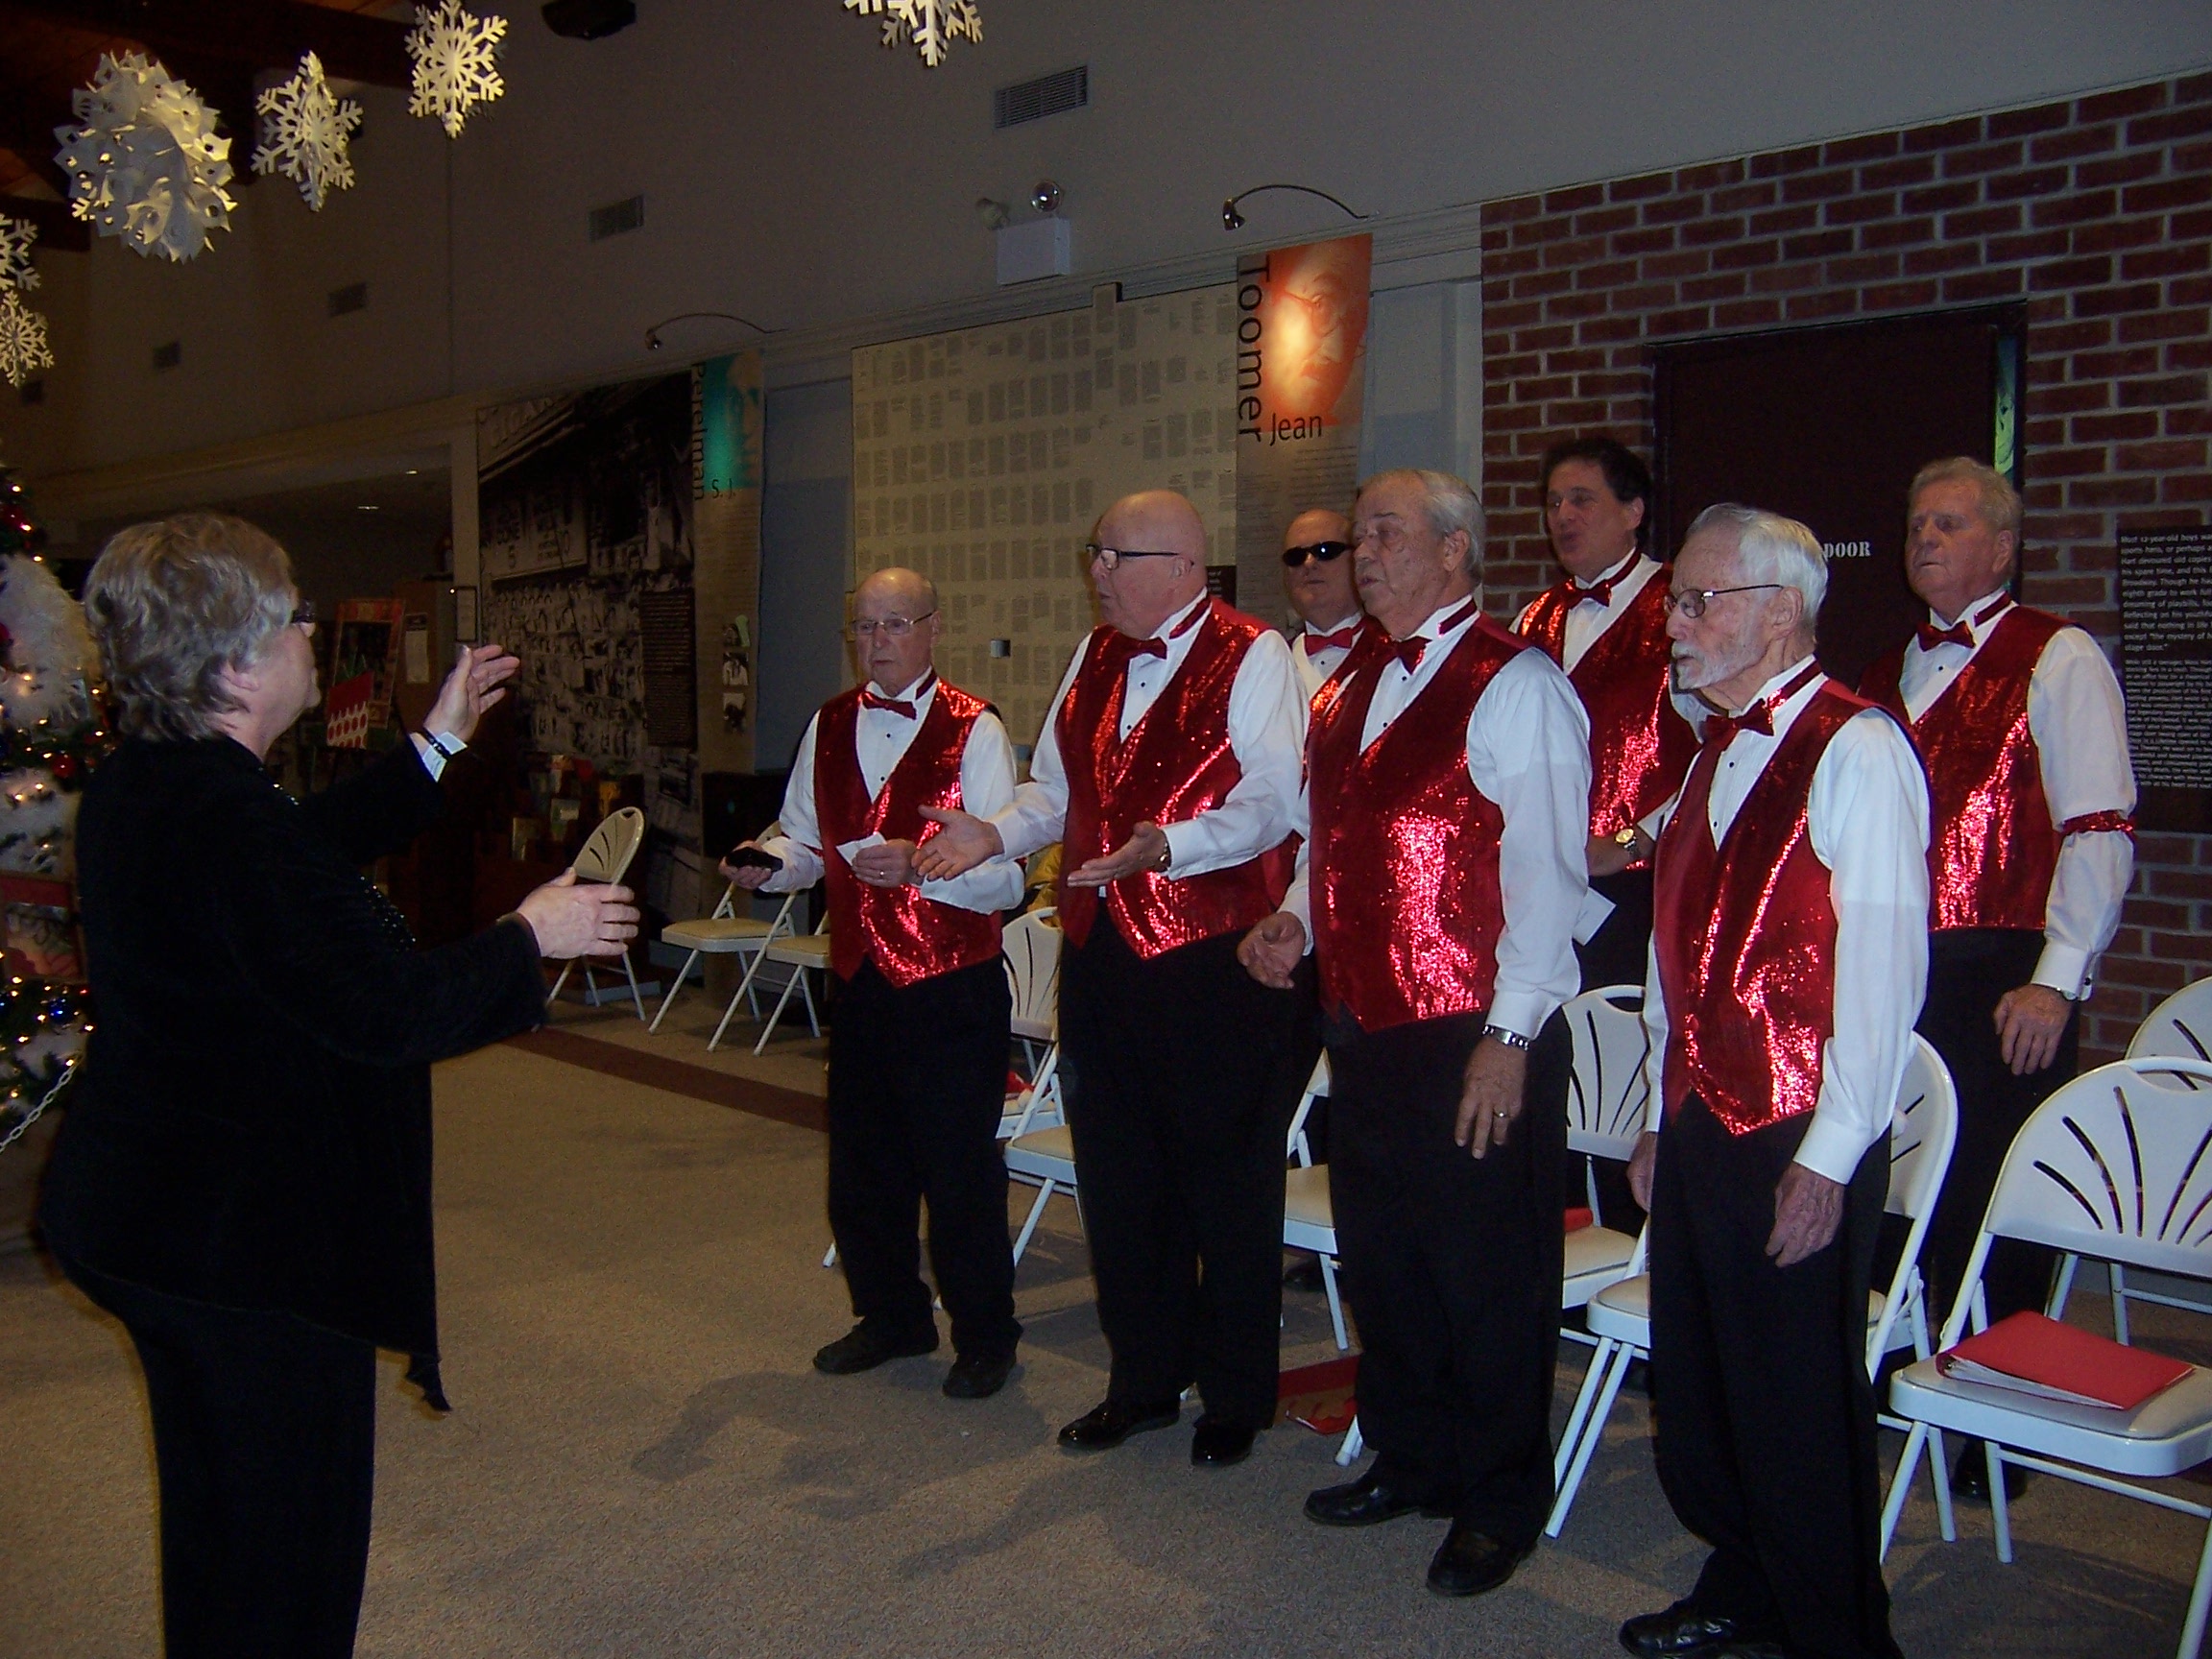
[(1625, 839), (1512, 1038)]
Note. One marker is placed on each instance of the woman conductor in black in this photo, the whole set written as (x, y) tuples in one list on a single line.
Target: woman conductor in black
[(243, 1178)]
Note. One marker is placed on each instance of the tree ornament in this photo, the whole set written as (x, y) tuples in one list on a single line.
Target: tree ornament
[(933, 25), (456, 62), (15, 268), (144, 163), (23, 348), (303, 132)]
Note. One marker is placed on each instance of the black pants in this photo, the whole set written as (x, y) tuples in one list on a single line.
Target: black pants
[(917, 1085), (1763, 1410), (264, 1443), (1617, 953), (1969, 971), (1451, 1264), (1179, 1159)]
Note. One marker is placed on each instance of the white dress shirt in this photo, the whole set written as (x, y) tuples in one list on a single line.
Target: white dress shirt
[(880, 739), (1590, 618), (1867, 818), (1266, 733), (1528, 753), (1315, 667), (2080, 724)]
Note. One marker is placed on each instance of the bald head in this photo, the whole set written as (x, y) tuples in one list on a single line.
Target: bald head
[(1140, 594), (894, 628), (900, 587)]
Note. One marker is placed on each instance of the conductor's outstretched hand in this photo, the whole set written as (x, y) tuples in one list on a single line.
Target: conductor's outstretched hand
[(574, 918)]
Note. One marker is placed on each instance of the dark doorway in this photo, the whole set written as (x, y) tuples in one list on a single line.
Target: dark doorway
[(1828, 425)]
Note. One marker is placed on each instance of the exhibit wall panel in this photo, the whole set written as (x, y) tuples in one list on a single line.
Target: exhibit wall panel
[(805, 556)]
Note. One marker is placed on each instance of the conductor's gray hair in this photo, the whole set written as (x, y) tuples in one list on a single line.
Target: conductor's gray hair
[(1771, 549)]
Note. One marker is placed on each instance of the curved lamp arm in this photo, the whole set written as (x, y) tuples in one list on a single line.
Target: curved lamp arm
[(653, 334), (1231, 220)]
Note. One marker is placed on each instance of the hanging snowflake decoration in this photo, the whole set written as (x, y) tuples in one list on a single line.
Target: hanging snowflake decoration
[(23, 349), (15, 268), (931, 25), (303, 132), (456, 62), (143, 161)]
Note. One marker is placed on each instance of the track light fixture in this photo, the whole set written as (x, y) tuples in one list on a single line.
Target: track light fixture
[(1231, 220), (653, 334)]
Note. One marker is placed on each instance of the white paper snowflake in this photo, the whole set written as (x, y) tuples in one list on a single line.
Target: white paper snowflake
[(933, 25), (15, 268), (456, 62), (303, 132), (143, 161), (23, 349)]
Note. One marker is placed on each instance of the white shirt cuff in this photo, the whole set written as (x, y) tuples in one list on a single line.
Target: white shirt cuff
[(1520, 1012), (1832, 1147), (2064, 968)]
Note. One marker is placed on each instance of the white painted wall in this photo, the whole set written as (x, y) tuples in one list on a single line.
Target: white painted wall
[(796, 173)]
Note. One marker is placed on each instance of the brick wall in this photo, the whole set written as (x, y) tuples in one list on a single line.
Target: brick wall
[(2096, 213)]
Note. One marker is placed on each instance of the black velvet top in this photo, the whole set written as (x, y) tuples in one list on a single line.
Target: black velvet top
[(252, 1127)]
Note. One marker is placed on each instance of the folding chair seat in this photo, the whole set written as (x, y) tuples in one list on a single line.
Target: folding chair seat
[(726, 933), (1608, 1099), (607, 858)]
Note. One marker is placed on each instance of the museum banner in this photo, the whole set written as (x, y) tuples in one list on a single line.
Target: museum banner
[(1301, 386)]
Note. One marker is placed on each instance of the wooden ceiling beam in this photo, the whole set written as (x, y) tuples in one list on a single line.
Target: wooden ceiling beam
[(257, 34)]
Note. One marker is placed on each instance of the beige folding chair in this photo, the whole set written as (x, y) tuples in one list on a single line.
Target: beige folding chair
[(796, 953), (725, 933), (607, 856), (1308, 1219), (1031, 951)]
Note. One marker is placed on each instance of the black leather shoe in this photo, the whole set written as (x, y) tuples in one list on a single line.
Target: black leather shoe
[(1679, 1633), (1970, 1475), (1217, 1443), (867, 1346), (1470, 1561), (1109, 1423), (1365, 1501), (977, 1376)]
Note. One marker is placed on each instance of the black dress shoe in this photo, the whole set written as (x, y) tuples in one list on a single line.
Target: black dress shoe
[(867, 1346), (1470, 1561), (977, 1376), (1215, 1443), (1970, 1475), (1365, 1501), (1677, 1633), (1111, 1422)]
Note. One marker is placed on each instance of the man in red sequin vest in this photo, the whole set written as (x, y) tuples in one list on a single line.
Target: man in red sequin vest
[(1607, 626), (2020, 723), (1167, 768), (918, 1038), (1447, 786), (1789, 954)]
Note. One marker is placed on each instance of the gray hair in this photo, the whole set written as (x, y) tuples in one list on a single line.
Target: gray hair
[(174, 602), (1771, 549), (1449, 501), (2000, 501)]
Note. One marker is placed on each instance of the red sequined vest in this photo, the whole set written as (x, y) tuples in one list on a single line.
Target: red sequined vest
[(1640, 748), (1745, 935), (1404, 867), (910, 938), (1175, 764), (1992, 849)]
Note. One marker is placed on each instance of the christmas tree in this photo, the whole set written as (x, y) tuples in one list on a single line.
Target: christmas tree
[(51, 734)]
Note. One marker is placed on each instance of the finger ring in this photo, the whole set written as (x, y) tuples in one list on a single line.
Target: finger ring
[(1499, 1112)]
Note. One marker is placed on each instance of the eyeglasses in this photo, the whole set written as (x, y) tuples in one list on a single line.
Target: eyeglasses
[(1110, 558), (1693, 603), (1327, 552), (302, 616), (890, 627)]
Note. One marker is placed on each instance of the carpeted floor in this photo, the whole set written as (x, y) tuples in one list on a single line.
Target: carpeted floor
[(643, 1464)]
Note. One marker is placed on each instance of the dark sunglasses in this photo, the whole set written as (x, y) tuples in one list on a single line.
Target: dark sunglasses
[(1325, 551)]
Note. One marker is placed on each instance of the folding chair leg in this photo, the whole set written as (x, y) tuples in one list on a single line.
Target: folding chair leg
[(2064, 1287), (1901, 1484), (1939, 1476), (2199, 1601), (830, 1257), (1353, 1446), (2000, 1512), (554, 994), (798, 978), (591, 987), (675, 986), (1335, 1304), (1029, 1226), (1593, 1379), (1592, 1431), (727, 1014), (806, 994), (2119, 1282), (637, 996)]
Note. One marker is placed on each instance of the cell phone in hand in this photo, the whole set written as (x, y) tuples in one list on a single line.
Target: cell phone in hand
[(751, 858)]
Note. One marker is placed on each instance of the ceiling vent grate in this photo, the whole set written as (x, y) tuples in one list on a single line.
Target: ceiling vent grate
[(617, 217), (170, 356), (353, 297), (1047, 95)]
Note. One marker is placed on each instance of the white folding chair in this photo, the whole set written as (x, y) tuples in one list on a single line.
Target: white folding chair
[(1309, 1219), (1031, 948), (1040, 1151), (606, 857), (2179, 1028), (726, 933), (1923, 1130), (796, 953), (2114, 1166), (1607, 1102)]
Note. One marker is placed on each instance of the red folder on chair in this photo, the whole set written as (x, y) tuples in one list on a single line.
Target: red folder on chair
[(2054, 1360)]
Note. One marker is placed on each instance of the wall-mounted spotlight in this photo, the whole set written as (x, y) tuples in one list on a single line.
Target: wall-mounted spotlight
[(1231, 220), (653, 334), (1046, 198)]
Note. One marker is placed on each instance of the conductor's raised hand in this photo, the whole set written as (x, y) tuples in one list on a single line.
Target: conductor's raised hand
[(1273, 950), (1146, 849), (478, 683), (962, 842), (574, 918)]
